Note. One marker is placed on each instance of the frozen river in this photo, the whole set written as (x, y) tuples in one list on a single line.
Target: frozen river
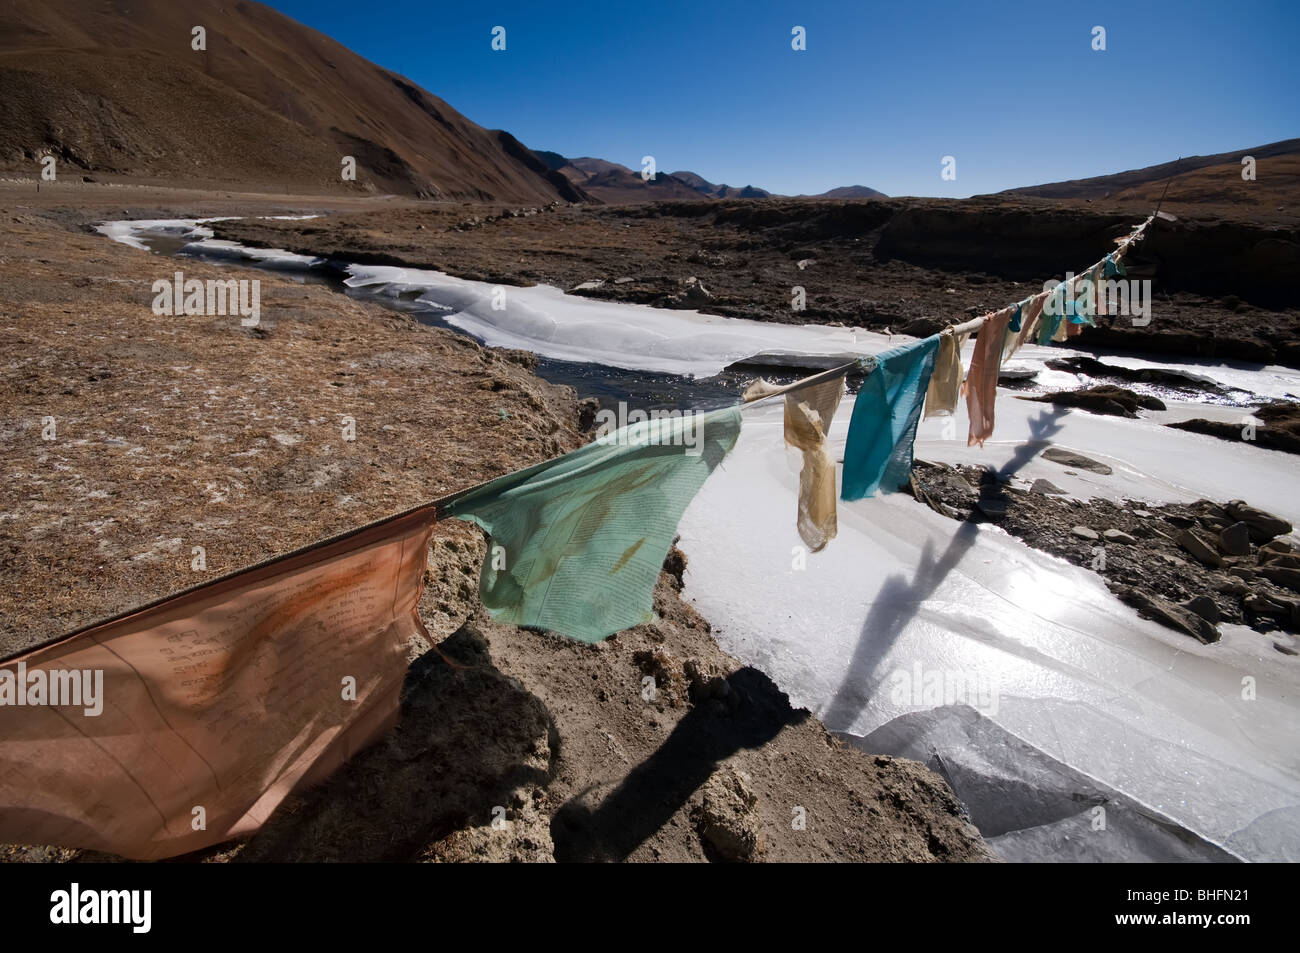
[(1070, 727)]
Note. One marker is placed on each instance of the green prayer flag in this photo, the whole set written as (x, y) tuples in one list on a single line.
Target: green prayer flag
[(576, 543)]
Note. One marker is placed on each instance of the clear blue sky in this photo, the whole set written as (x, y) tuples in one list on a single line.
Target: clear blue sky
[(1012, 90)]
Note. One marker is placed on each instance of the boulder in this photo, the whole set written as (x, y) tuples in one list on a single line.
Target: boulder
[(1084, 533), (1261, 604), (1263, 526), (1289, 578), (1235, 540), (1198, 547), (1205, 607), (1176, 617), (1102, 399), (921, 327), (1118, 536)]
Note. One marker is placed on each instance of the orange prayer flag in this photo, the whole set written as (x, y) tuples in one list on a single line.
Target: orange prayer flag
[(187, 723)]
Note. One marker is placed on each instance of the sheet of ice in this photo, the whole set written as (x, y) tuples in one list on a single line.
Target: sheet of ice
[(1271, 381), (134, 232), (553, 324), (1028, 805), (276, 258), (1074, 673), (1149, 460)]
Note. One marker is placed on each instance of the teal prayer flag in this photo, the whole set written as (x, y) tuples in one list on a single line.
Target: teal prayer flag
[(1084, 304), (878, 451), (576, 543), (1047, 326)]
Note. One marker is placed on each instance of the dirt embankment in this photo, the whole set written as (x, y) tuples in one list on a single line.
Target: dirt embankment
[(1220, 286), (175, 432)]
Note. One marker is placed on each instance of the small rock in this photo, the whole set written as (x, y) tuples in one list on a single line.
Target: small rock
[(1068, 458), (1118, 536), (1233, 587), (1235, 540), (1084, 533), (693, 295), (993, 508), (705, 680), (1205, 607), (1279, 547), (588, 286), (1144, 514), (1016, 373), (1199, 548), (726, 817), (1210, 508), (1046, 487)]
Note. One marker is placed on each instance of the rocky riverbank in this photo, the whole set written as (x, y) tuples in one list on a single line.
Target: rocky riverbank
[(1189, 566), (909, 265)]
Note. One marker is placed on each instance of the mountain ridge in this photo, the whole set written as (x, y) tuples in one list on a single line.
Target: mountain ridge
[(617, 184), (269, 103)]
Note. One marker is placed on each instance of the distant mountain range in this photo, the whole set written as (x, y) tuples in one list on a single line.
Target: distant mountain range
[(617, 184), (1214, 179)]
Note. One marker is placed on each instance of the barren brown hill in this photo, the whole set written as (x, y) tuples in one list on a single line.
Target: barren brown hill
[(617, 184), (116, 87), (1196, 180)]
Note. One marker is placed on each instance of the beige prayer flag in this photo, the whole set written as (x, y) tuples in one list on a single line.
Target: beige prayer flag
[(945, 381), (214, 704), (808, 414)]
